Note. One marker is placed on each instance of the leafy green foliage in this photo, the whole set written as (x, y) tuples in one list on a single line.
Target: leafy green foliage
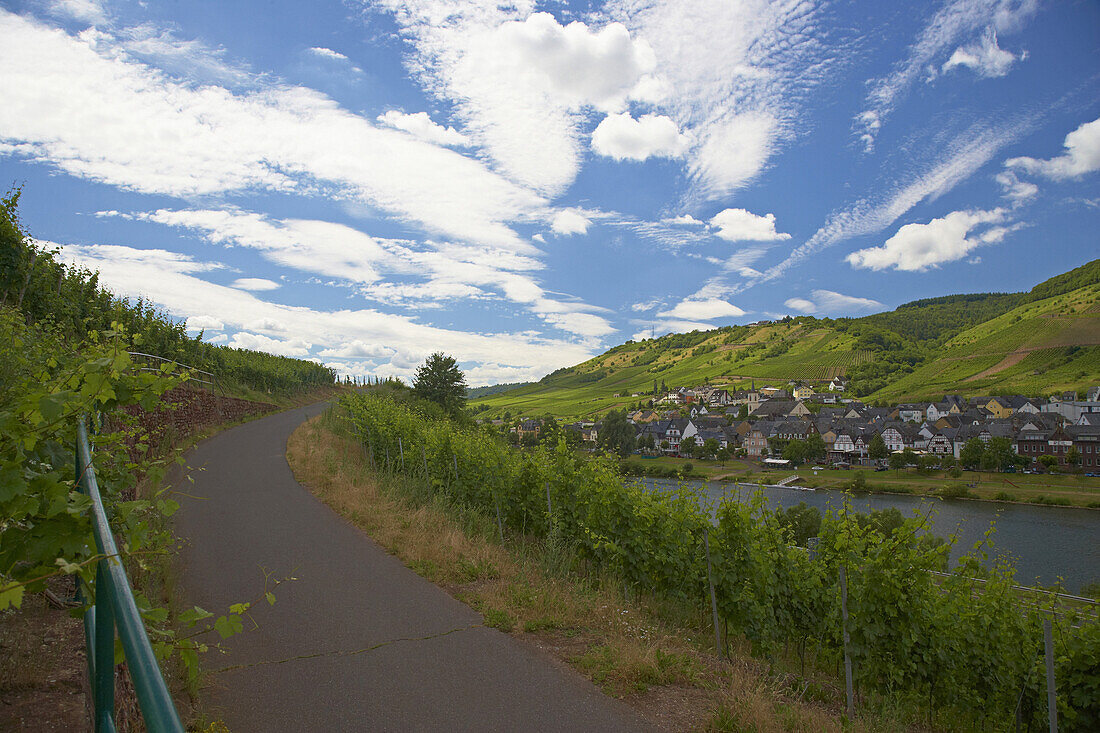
[(69, 302), (439, 380), (925, 637)]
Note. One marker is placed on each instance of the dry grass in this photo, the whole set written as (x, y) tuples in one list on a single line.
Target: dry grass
[(653, 657)]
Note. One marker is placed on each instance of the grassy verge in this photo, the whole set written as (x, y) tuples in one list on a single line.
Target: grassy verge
[(658, 656)]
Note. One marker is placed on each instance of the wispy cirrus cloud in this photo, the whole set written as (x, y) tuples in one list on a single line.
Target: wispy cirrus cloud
[(177, 282), (964, 155), (77, 105), (950, 29), (831, 302), (738, 85)]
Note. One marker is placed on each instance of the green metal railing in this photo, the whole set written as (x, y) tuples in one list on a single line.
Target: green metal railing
[(114, 607)]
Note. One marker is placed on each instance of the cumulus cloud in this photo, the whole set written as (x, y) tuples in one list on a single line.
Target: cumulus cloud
[(521, 82), (739, 225), (74, 103), (255, 283), (985, 58), (685, 220), (569, 221), (917, 247), (204, 323), (622, 137), (421, 125), (828, 301), (1082, 156), (328, 53), (280, 347)]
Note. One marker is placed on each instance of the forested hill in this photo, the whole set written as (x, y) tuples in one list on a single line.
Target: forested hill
[(65, 304), (1037, 342)]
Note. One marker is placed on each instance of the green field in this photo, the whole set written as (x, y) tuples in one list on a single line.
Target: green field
[(1026, 343)]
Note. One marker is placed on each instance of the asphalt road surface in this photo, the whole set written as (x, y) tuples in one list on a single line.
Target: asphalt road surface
[(358, 641)]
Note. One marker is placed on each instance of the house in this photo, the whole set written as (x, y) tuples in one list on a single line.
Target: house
[(697, 410), (1086, 439), (773, 409), (999, 407), (910, 412), (1026, 405), (803, 392), (1089, 418), (756, 441), (795, 430), (942, 442), (1072, 410), (719, 398), (774, 393), (528, 427), (838, 384)]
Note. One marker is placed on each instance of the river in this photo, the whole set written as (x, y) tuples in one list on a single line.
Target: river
[(1045, 543)]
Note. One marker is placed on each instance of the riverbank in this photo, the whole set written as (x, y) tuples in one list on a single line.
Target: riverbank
[(1053, 489)]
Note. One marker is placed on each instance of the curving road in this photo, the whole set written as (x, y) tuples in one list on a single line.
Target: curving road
[(358, 641)]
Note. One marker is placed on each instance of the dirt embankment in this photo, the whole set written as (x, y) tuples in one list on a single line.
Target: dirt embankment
[(184, 412)]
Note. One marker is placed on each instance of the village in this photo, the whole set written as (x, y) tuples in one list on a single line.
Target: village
[(797, 423)]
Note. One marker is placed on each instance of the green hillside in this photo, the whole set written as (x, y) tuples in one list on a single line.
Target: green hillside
[(1031, 343)]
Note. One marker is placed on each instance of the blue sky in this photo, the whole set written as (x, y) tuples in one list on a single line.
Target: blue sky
[(363, 183)]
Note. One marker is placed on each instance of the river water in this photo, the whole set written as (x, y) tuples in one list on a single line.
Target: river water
[(1045, 543)]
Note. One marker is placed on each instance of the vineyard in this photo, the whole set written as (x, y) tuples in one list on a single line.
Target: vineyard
[(942, 644), (816, 367)]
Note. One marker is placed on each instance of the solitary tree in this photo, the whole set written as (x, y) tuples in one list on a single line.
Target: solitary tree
[(877, 449), (439, 380), (617, 434)]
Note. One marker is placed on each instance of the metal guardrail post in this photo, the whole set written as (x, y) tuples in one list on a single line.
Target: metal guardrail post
[(114, 606)]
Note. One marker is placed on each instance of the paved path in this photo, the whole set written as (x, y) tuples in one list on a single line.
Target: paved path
[(310, 666)]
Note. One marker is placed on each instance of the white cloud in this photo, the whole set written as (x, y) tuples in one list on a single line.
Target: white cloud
[(620, 136), (452, 271), (420, 125), (328, 53), (917, 247), (73, 102), (169, 280), (828, 301), (684, 220), (358, 350), (1014, 189), (732, 74), (86, 11), (520, 81), (733, 153), (801, 304), (255, 283), (703, 310), (647, 305), (954, 22), (570, 221), (739, 225), (985, 58), (1082, 156), (280, 347), (964, 156), (204, 323)]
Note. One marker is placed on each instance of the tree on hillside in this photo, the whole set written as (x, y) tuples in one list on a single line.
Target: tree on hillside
[(439, 380), (815, 447)]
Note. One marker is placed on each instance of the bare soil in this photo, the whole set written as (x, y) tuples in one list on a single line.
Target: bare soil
[(42, 666)]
